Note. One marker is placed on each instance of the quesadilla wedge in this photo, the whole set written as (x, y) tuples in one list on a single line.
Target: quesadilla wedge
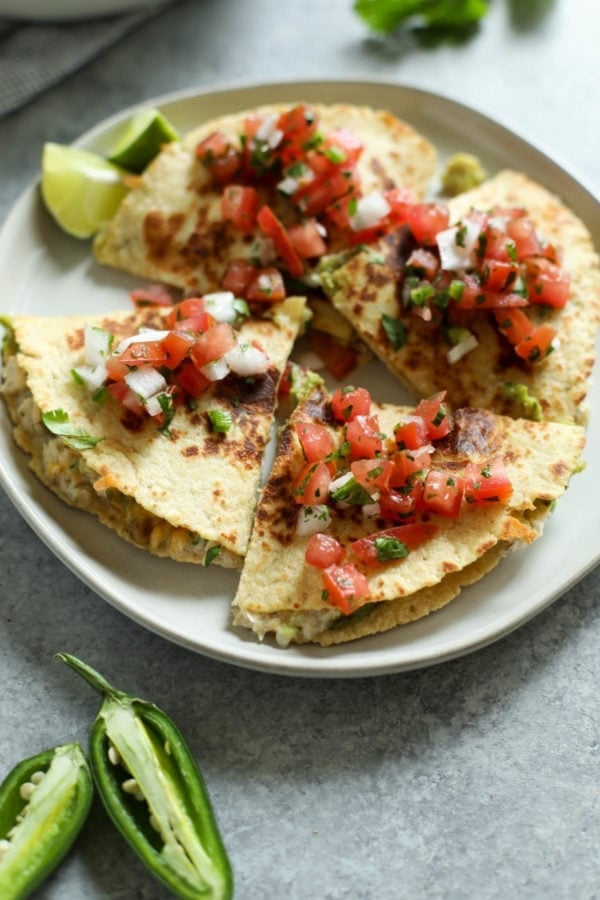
[(166, 454), (500, 307), (197, 207), (370, 518)]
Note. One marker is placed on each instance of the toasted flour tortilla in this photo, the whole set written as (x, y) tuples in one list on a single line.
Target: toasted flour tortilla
[(369, 284), (280, 593), (169, 228), (176, 497)]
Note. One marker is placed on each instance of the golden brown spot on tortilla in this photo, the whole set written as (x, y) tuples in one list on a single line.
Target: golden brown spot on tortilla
[(560, 470), (76, 340), (378, 170), (473, 434), (449, 566), (191, 450), (132, 421), (160, 231)]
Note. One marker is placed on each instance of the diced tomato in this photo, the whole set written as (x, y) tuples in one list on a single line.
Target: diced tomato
[(116, 369), (346, 588), (213, 344), (380, 546), (186, 309), (426, 220), (476, 296), (129, 399), (273, 228), (522, 232), (424, 263), (349, 402), (345, 141), (412, 433), (402, 505), (237, 278), (537, 345), (546, 282), (338, 358), (192, 380), (436, 414), (285, 383), (316, 440), (368, 235), (153, 295), (497, 245), (298, 125), (266, 287), (219, 156), (340, 211), (311, 485), (372, 474), (364, 437), (514, 324), (487, 482), (401, 202), (307, 239), (323, 550), (176, 346), (443, 492), (317, 196), (144, 352), (407, 464), (239, 204), (498, 275)]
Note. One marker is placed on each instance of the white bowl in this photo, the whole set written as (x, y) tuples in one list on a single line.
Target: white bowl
[(64, 10)]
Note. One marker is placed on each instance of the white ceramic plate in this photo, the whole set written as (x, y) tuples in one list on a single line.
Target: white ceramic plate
[(50, 273)]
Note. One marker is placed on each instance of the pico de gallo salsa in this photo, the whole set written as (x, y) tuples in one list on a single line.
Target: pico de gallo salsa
[(154, 370), (493, 261), (391, 478)]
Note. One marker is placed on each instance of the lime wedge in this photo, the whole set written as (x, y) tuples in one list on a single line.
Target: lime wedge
[(142, 139), (81, 190)]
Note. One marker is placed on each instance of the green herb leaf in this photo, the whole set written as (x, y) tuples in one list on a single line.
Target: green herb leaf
[(351, 492), (220, 420), (211, 554), (389, 548), (395, 331), (451, 15), (57, 421)]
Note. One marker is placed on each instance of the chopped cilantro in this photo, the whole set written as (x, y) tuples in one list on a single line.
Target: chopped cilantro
[(395, 331), (211, 554), (388, 548), (57, 421), (220, 420)]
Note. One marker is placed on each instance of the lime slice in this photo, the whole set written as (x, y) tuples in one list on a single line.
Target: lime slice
[(142, 139), (80, 189)]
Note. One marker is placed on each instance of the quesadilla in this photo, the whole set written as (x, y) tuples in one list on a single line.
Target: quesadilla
[(167, 451), (193, 210), (512, 257), (390, 536)]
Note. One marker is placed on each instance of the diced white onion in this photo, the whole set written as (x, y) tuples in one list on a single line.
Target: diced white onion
[(321, 229), (288, 186), (464, 346), (310, 360), (145, 381), (98, 342), (246, 360), (216, 370), (268, 131), (453, 256), (370, 210), (312, 519), (147, 334), (498, 222), (152, 404), (274, 138), (371, 510), (221, 306), (92, 377)]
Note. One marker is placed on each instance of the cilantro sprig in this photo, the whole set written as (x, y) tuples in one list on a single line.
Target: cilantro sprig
[(57, 421), (430, 20)]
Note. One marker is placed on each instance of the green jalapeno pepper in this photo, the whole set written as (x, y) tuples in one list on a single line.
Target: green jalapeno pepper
[(44, 802), (153, 791)]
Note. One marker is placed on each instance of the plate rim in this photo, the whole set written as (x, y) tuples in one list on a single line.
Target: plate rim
[(286, 665)]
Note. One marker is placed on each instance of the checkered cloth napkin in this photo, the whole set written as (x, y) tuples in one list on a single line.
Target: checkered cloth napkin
[(34, 56)]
